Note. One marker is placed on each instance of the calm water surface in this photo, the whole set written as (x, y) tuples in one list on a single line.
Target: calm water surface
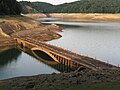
[(97, 40), (14, 63)]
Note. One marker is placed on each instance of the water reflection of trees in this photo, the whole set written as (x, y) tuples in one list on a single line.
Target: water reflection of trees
[(8, 56), (70, 26)]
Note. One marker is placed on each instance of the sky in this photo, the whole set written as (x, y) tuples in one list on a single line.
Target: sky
[(55, 2)]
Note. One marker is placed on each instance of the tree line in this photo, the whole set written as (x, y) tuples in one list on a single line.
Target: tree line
[(9, 7), (81, 6)]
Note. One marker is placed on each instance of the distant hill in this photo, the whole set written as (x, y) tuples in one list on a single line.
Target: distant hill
[(82, 6)]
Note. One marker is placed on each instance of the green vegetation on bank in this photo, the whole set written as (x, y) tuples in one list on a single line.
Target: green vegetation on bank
[(81, 6), (9, 7), (28, 7), (36, 7)]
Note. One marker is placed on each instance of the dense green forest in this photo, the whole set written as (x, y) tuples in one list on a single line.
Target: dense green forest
[(81, 6), (9, 7)]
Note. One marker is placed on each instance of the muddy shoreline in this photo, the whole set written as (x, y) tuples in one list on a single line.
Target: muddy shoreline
[(60, 81), (11, 26)]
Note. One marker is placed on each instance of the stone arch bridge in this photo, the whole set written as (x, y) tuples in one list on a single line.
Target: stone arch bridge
[(60, 55)]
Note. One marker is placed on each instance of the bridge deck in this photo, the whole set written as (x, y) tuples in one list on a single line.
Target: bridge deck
[(74, 56)]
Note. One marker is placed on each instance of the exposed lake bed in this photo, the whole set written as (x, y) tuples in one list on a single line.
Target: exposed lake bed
[(87, 34)]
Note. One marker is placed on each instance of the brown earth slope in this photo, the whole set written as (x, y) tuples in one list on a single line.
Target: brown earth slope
[(10, 25)]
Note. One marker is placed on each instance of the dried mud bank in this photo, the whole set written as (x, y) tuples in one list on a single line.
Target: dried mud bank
[(9, 26), (6, 40), (37, 15), (79, 17)]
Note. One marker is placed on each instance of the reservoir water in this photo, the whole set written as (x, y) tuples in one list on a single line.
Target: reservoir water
[(14, 63), (98, 40)]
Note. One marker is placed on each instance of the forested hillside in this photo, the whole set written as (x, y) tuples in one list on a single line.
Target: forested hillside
[(91, 6), (35, 7), (82, 6), (28, 7), (9, 7)]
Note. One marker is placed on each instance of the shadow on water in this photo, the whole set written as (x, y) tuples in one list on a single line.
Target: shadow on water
[(43, 55), (8, 56), (46, 59), (63, 25), (69, 26)]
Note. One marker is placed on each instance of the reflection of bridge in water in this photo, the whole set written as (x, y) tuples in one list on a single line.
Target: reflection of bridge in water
[(62, 56), (51, 63)]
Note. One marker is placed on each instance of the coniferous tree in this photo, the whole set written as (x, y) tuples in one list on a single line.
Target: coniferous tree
[(9, 7)]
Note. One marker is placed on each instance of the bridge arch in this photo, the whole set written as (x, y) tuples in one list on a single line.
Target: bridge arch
[(45, 51)]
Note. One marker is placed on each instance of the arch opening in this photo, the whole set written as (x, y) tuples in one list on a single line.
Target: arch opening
[(43, 55)]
